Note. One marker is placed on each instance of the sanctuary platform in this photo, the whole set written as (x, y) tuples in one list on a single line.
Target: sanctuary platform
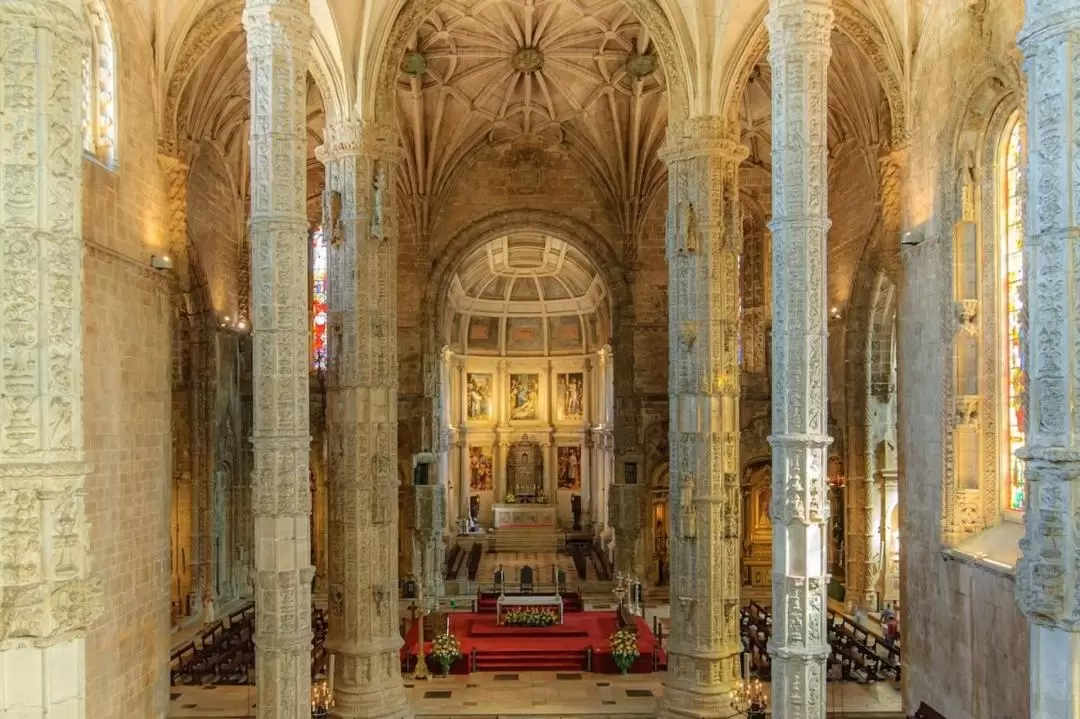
[(563, 647)]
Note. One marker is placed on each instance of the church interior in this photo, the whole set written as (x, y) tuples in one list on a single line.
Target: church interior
[(548, 358)]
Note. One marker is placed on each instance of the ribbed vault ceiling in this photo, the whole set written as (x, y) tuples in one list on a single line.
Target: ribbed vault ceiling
[(578, 74)]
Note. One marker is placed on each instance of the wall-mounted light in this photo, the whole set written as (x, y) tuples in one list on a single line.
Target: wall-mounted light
[(161, 262), (912, 237), (834, 314)]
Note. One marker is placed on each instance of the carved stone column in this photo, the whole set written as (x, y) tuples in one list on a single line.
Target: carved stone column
[(278, 33), (704, 240), (362, 404), (799, 53), (430, 514), (626, 519), (1047, 576), (48, 598)]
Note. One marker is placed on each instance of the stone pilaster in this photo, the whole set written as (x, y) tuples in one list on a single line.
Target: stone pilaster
[(48, 598), (278, 34), (704, 242), (362, 424), (1048, 574), (799, 53), (626, 518)]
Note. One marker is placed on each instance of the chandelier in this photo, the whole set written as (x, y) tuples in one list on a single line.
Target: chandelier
[(750, 697)]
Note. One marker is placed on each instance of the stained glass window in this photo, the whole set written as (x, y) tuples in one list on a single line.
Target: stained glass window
[(318, 299), (1014, 311)]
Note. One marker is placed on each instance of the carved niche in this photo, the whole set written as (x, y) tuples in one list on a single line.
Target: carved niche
[(525, 470)]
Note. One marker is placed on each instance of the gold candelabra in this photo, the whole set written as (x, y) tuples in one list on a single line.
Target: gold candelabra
[(322, 699), (750, 697), (421, 671)]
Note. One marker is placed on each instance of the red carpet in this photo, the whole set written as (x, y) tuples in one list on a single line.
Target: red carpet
[(559, 648)]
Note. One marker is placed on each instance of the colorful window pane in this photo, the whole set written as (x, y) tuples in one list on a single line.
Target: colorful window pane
[(1014, 312), (319, 258)]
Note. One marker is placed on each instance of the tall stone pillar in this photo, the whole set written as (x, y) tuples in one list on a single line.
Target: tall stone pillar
[(48, 596), (704, 241), (278, 33), (362, 421), (1048, 574), (799, 54)]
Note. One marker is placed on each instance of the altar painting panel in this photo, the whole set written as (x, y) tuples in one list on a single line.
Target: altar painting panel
[(479, 396), (569, 468), (524, 396), (571, 396), (481, 478)]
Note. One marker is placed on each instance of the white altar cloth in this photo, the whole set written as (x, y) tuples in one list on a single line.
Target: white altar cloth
[(530, 600)]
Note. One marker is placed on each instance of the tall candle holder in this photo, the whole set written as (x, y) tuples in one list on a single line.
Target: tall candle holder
[(750, 697), (322, 700)]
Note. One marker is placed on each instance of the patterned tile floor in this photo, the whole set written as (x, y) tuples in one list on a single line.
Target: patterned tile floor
[(532, 694)]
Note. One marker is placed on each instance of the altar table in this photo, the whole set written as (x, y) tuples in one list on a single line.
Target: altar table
[(531, 600), (524, 515)]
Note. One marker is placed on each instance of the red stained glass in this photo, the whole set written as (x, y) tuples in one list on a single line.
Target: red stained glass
[(1014, 309), (318, 299)]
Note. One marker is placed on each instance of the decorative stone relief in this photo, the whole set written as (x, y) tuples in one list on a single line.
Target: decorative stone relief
[(47, 595), (278, 38), (799, 32), (362, 427), (704, 239), (1048, 573)]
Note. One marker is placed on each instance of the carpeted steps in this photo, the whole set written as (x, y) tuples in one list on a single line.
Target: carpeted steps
[(530, 660)]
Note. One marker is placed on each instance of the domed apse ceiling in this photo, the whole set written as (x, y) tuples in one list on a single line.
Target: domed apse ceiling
[(540, 74), (527, 294)]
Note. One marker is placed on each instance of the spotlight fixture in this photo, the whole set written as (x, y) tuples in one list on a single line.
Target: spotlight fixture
[(834, 314), (161, 262)]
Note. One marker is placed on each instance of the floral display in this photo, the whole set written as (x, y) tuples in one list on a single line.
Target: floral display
[(445, 650), (529, 617), (511, 498), (624, 648)]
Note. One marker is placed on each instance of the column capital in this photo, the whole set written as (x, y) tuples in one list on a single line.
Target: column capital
[(705, 136), (353, 137), (291, 17), (805, 24)]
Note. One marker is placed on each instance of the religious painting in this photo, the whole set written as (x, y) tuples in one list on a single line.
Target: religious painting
[(524, 396), (483, 334), (565, 334), (571, 396), (478, 400), (480, 473), (569, 468), (524, 334)]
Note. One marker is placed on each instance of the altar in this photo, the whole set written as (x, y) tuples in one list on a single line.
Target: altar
[(524, 515), (527, 601)]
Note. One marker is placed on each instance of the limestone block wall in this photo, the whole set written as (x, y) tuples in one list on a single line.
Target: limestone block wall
[(966, 644), (127, 386), (215, 226)]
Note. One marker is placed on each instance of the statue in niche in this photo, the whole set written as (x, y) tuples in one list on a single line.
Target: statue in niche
[(525, 472)]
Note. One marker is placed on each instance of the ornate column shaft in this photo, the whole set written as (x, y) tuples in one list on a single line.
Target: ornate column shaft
[(278, 33), (704, 242), (799, 53), (49, 600), (1048, 574), (362, 420)]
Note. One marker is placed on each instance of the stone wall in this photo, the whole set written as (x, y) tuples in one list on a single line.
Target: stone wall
[(127, 386), (215, 224), (965, 642)]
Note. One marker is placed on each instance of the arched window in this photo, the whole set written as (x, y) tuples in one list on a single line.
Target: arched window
[(99, 85), (319, 252), (1013, 325)]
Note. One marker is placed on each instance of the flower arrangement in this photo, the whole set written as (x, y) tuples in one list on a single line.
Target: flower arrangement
[(529, 617), (624, 648), (445, 650), (511, 498)]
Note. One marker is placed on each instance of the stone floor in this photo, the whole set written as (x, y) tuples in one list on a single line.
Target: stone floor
[(533, 694)]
